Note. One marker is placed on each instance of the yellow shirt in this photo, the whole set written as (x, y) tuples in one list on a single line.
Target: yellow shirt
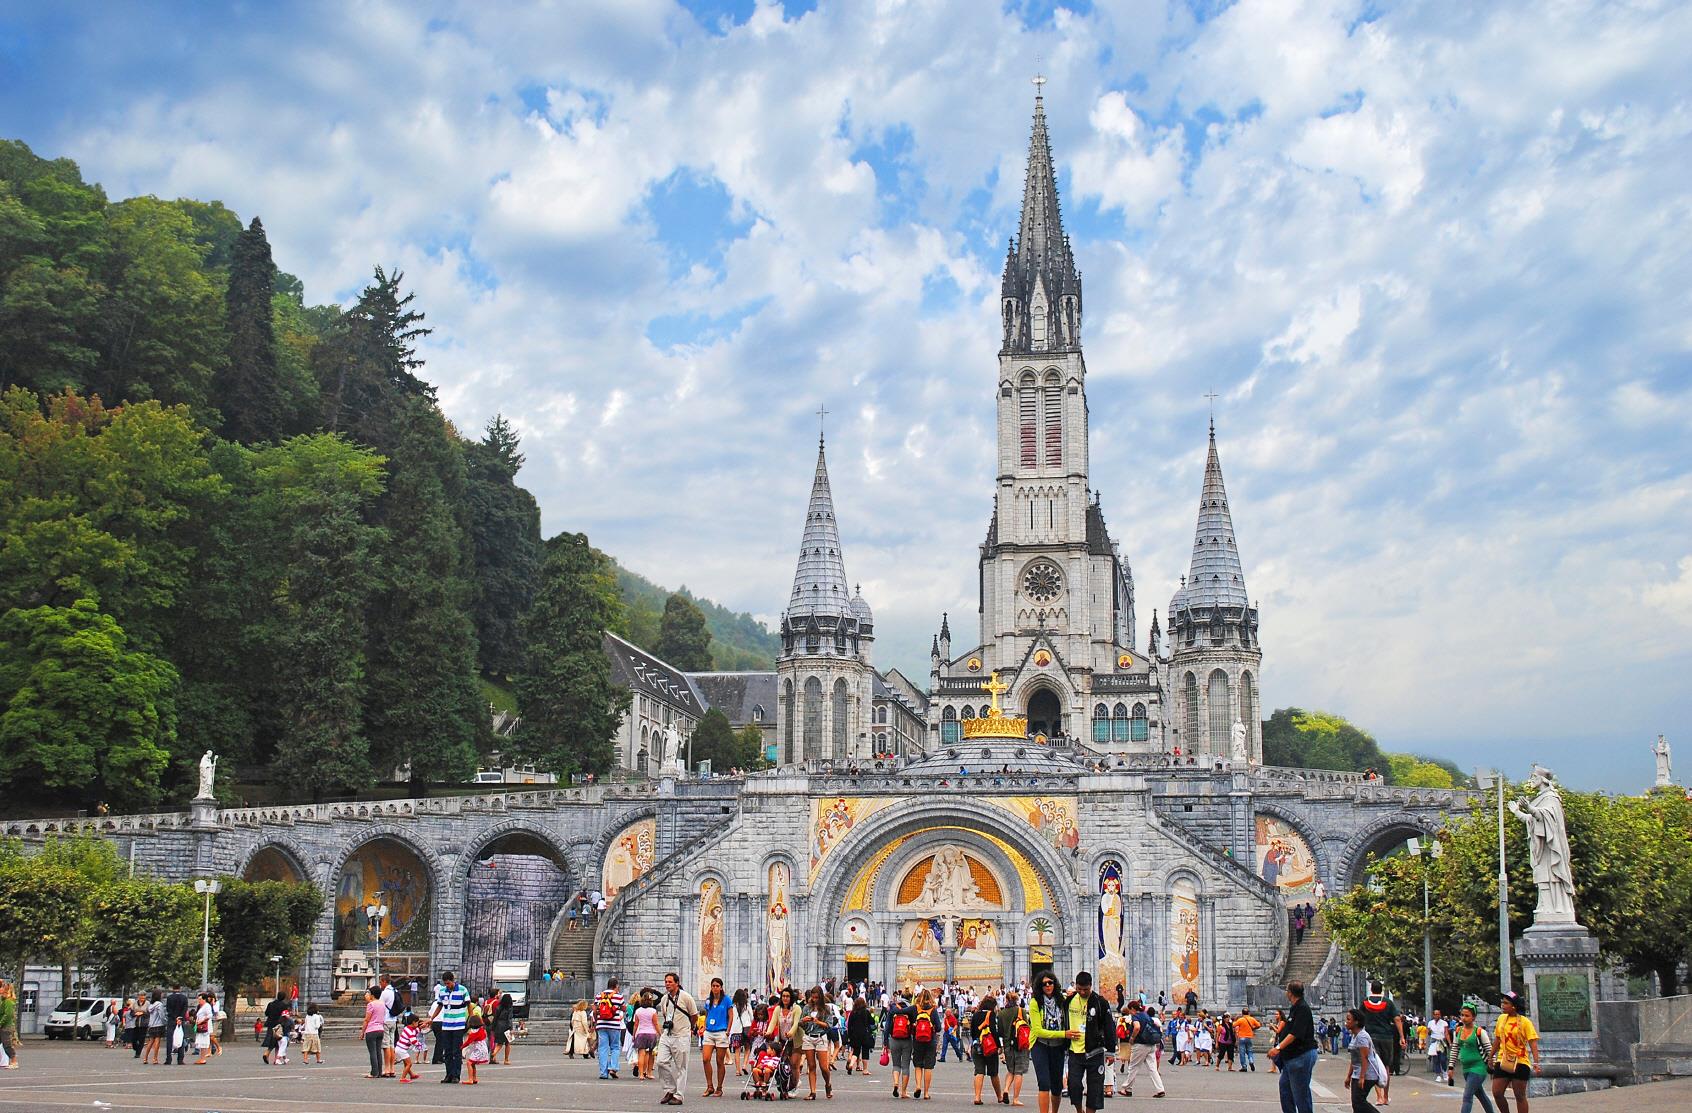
[(1511, 1037), (1078, 1021)]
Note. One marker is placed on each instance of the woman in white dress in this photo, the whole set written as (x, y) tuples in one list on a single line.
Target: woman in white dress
[(1184, 1044), (1204, 1042), (203, 1018)]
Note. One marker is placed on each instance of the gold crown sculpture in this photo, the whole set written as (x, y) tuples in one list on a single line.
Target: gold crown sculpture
[(995, 724)]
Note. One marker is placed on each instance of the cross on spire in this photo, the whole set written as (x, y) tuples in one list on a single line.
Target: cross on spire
[(1213, 396), (822, 417)]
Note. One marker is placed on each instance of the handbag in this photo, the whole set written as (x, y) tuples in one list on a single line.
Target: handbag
[(886, 1057)]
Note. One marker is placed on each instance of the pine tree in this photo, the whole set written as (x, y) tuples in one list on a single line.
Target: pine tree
[(423, 706), (569, 704), (683, 640), (505, 535), (249, 390), (370, 361)]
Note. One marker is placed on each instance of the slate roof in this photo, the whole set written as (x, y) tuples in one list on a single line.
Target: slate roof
[(735, 694), (1216, 578), (819, 581), (640, 671)]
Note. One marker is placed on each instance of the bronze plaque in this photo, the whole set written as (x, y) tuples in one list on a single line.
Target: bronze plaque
[(1565, 1002)]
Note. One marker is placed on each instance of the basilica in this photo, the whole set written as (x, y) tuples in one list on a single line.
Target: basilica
[(1054, 794)]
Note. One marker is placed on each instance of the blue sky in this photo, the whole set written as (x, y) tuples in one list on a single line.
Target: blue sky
[(1436, 260)]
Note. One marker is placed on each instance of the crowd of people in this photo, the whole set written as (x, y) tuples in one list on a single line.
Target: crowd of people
[(1081, 1046)]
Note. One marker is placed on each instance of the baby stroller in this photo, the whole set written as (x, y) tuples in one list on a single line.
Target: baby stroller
[(768, 1081)]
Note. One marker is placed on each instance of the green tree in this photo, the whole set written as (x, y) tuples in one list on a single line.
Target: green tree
[(370, 360), (423, 706), (505, 537), (751, 741), (683, 640), (714, 740), (315, 492), (570, 705), (1303, 739), (41, 910), (1415, 772), (258, 919), (249, 390), (83, 715), (141, 930)]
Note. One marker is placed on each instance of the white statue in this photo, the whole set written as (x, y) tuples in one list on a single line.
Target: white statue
[(671, 759), (1664, 768), (1239, 741), (949, 883), (1548, 848), (208, 774)]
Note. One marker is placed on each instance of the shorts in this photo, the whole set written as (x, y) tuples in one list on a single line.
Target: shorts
[(922, 1054), (986, 1064), (311, 1044), (155, 1031), (816, 1043), (737, 1041), (387, 1037), (900, 1054), (714, 1039), (1016, 1060), (1521, 1072)]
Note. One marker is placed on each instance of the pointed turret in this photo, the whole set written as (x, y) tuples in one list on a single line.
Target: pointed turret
[(819, 581), (1215, 579), (1041, 292)]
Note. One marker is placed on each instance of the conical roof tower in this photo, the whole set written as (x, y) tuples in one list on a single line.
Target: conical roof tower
[(819, 580), (1215, 578)]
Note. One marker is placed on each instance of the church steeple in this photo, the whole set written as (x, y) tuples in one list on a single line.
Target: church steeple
[(1216, 578), (819, 581), (1041, 292)]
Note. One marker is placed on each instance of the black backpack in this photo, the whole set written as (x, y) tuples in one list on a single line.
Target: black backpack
[(1149, 1032)]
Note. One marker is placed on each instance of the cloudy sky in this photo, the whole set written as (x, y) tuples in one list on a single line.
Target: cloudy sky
[(1435, 259)]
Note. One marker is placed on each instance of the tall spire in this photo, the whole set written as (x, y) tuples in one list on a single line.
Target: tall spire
[(819, 582), (1041, 288), (1216, 578)]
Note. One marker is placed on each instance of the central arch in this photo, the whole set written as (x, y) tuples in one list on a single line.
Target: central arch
[(862, 880), (1045, 712), (518, 883)]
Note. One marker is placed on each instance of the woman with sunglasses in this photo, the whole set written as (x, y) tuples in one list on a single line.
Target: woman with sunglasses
[(1049, 1023)]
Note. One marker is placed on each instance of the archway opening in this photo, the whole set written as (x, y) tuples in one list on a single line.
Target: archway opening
[(272, 864), (1045, 714), (518, 885), (383, 873)]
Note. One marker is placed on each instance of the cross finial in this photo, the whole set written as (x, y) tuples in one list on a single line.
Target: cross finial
[(1213, 396), (997, 687), (822, 416), (1039, 84)]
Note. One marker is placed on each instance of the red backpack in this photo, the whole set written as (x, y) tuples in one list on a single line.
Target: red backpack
[(901, 1026), (924, 1028), (607, 1011), (1024, 1036), (989, 1043)]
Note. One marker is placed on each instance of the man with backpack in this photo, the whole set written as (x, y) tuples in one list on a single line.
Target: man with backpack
[(1016, 1039), (1144, 1035), (1092, 1041), (608, 1026)]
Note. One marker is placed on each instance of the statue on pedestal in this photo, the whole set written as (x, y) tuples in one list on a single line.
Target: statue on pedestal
[(671, 759), (1548, 848), (208, 775), (1664, 768), (1240, 753)]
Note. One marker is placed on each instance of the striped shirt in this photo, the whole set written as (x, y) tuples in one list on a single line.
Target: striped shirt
[(615, 1022), (453, 1005), (410, 1039)]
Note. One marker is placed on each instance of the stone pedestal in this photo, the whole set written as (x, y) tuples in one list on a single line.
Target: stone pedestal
[(202, 812), (1560, 964)]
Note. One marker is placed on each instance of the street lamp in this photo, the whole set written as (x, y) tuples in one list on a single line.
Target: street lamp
[(1434, 851), (277, 959), (375, 912), (209, 886), (1485, 778)]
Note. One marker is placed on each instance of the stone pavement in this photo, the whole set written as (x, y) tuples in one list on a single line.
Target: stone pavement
[(79, 1076)]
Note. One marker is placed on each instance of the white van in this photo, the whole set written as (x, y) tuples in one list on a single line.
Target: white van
[(82, 1018), (513, 978)]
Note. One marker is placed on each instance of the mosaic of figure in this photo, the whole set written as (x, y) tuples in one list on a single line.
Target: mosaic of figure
[(630, 856), (1284, 859), (779, 968), (1113, 966), (711, 950), (1183, 940)]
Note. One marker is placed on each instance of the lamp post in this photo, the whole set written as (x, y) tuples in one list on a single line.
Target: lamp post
[(209, 886), (277, 959), (1434, 850), (1486, 779), (375, 912)]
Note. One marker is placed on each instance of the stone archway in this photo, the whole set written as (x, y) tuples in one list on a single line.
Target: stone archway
[(1045, 712), (517, 884), (1376, 840), (388, 870)]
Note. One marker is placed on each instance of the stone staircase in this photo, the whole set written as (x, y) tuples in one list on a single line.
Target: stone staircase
[(1306, 959)]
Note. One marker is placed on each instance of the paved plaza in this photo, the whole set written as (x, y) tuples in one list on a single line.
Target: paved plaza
[(540, 1079)]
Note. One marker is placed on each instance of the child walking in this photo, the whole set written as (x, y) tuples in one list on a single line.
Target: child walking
[(408, 1046), (475, 1046)]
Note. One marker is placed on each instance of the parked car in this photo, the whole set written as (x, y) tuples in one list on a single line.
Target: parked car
[(82, 1018)]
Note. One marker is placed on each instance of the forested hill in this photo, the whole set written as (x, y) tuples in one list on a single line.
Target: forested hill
[(236, 521), (738, 641)]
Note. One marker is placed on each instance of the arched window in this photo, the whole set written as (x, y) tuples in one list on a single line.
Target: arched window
[(1101, 723), (950, 730), (757, 713), (1139, 729), (1248, 709), (811, 745), (842, 715), (787, 721), (1119, 723), (968, 712), (1221, 704), (1053, 401), (1028, 421), (641, 761), (1190, 739)]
